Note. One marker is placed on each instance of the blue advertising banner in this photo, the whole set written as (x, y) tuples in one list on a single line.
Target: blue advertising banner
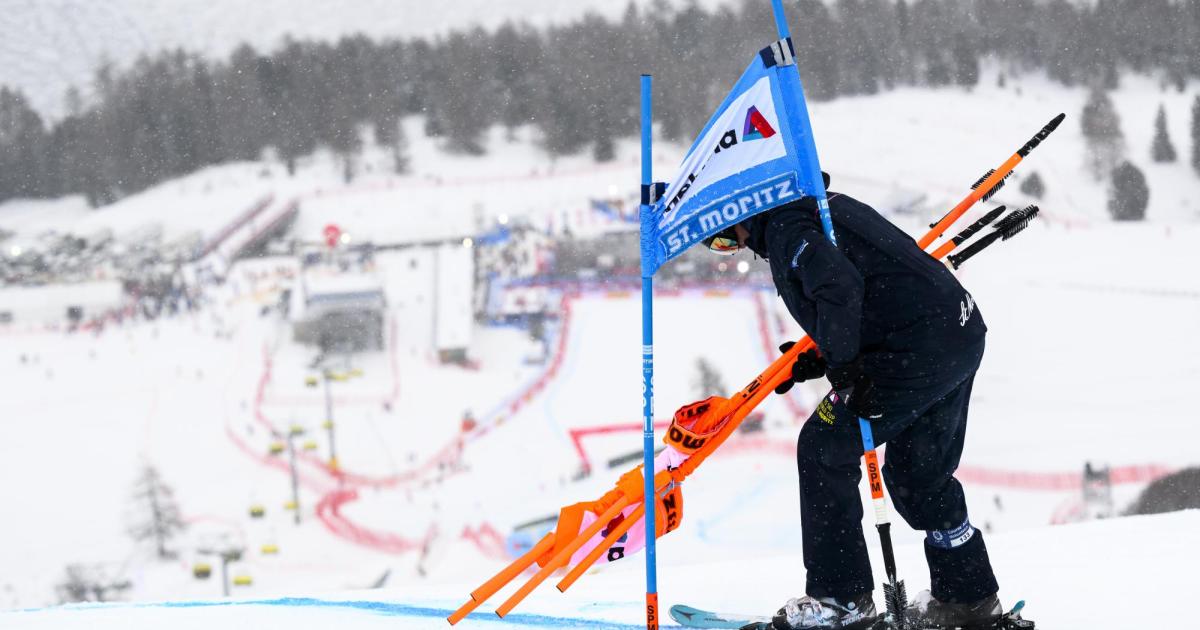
[(750, 157)]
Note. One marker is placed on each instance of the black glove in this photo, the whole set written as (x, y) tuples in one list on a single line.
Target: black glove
[(856, 389), (807, 366)]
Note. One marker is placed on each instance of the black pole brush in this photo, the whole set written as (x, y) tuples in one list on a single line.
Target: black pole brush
[(1005, 229)]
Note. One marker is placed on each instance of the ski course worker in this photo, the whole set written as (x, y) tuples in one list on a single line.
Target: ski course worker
[(900, 341)]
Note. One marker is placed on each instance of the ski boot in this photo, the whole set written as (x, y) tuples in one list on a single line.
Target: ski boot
[(927, 613), (826, 613)]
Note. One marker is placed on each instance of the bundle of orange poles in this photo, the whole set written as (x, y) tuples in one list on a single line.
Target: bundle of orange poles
[(629, 489)]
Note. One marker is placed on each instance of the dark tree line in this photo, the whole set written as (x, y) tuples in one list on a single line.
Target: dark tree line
[(576, 83)]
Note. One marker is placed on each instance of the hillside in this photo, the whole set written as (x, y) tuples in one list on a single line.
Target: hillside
[(1071, 577), (423, 507), (912, 147)]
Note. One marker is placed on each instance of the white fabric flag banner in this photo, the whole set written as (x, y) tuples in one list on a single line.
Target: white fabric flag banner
[(744, 162)]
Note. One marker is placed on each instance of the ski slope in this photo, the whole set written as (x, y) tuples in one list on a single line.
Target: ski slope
[(1053, 569), (740, 505), (1090, 358)]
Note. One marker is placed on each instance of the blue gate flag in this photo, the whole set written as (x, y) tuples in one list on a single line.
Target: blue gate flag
[(750, 157)]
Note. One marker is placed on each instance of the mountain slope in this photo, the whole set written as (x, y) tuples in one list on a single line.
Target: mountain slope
[(1074, 576)]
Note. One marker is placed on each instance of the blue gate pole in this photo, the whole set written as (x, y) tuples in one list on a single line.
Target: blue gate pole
[(650, 499), (806, 147), (807, 151)]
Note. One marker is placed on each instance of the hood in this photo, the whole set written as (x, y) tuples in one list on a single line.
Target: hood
[(759, 224)]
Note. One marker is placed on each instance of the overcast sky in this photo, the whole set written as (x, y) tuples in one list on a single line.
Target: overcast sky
[(48, 45)]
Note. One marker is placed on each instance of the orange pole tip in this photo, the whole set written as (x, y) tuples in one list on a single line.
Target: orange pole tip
[(562, 557), (651, 611), (507, 574), (604, 546), (463, 611)]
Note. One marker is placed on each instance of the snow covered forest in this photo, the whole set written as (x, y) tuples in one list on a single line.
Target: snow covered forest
[(173, 112)]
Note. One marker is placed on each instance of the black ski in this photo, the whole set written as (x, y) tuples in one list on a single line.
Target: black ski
[(690, 617)]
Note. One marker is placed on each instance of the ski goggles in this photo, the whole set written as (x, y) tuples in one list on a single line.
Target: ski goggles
[(723, 242)]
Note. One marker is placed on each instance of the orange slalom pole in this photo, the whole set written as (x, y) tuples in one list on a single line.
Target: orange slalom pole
[(501, 579), (985, 187), (977, 193), (464, 610), (945, 249), (750, 396), (776, 367), (562, 557), (742, 405), (971, 230), (746, 401), (594, 554), (932, 235), (506, 575)]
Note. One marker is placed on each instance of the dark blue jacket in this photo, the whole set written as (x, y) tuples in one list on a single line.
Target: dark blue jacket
[(876, 294)]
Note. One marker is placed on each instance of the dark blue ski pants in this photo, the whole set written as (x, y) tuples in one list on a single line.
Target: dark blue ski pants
[(923, 425)]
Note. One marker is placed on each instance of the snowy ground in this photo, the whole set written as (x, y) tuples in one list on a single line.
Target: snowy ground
[(1090, 359), (1054, 568), (133, 394)]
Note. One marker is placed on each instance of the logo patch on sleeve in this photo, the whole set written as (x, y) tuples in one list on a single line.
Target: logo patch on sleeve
[(799, 250), (825, 411)]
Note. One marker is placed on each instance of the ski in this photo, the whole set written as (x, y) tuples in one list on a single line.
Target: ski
[(1010, 620), (690, 617)]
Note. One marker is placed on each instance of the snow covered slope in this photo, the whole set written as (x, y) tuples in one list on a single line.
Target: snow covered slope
[(1091, 358), (890, 149), (1076, 576)]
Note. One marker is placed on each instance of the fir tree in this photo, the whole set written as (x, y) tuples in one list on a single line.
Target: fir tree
[(1034, 186), (708, 381), (1102, 133), (158, 517), (604, 150), (390, 133), (1196, 134), (1163, 149), (23, 147), (90, 583), (966, 62), (1128, 193)]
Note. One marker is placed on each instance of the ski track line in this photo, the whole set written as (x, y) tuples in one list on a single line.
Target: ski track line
[(577, 435), (770, 350), (328, 509), (376, 607), (329, 513)]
